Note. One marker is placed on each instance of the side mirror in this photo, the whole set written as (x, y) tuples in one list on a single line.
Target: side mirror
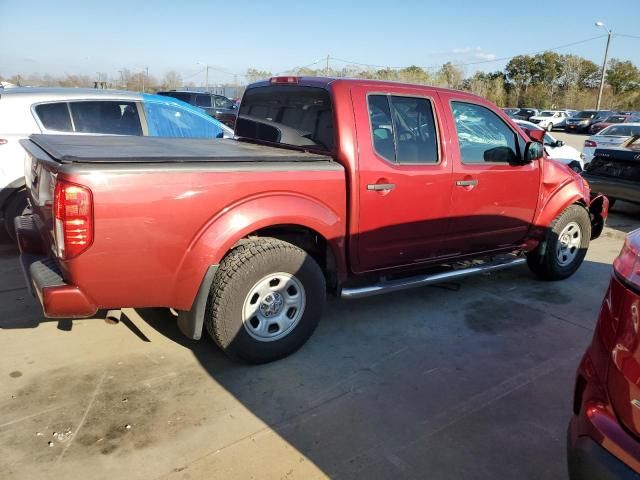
[(536, 135), (559, 143), (533, 151)]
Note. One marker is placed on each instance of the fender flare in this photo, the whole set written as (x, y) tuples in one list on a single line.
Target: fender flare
[(233, 223)]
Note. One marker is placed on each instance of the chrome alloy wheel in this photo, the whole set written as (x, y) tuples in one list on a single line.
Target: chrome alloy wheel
[(273, 307), (568, 245)]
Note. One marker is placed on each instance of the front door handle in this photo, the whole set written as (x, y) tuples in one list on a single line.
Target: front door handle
[(467, 183), (380, 187)]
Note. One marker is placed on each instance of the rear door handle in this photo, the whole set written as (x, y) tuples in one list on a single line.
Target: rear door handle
[(467, 183), (381, 186)]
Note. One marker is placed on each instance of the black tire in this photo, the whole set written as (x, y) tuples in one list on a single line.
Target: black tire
[(549, 127), (544, 260), (240, 272), (18, 204)]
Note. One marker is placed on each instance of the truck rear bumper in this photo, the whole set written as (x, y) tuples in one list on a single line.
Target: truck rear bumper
[(42, 274)]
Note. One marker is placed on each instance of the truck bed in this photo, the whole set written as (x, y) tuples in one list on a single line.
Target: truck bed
[(125, 149)]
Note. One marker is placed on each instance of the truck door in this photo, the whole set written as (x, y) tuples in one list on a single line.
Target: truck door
[(404, 183), (494, 199)]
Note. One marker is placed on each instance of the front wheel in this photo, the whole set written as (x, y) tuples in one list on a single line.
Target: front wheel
[(564, 247), (549, 127), (266, 300)]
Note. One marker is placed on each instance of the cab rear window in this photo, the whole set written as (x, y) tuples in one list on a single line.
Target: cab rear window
[(289, 115)]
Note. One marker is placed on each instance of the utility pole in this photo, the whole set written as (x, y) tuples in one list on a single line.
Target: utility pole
[(604, 64), (145, 78), (206, 77), (326, 68), (121, 78)]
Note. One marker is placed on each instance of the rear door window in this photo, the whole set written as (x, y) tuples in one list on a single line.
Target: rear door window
[(106, 117), (54, 116), (173, 121), (287, 114), (203, 101), (403, 128)]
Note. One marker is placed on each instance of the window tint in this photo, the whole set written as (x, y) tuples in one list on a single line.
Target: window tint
[(54, 116), (203, 101), (184, 96), (286, 114), (403, 129), (173, 121), (482, 136), (116, 118)]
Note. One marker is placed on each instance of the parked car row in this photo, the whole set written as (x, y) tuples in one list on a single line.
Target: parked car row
[(591, 121), (74, 111)]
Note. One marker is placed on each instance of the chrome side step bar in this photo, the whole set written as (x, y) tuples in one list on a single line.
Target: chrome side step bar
[(423, 280)]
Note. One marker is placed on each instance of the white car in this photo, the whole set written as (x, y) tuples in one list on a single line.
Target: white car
[(556, 149), (550, 119), (612, 136), (84, 111)]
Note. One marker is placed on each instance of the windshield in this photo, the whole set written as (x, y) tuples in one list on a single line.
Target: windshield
[(585, 114), (286, 114), (622, 130), (616, 119), (546, 114)]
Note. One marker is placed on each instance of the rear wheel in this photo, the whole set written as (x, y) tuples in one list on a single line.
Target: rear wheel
[(266, 300), (565, 246), (17, 205)]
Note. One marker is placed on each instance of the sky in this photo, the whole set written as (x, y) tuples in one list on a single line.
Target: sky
[(65, 36)]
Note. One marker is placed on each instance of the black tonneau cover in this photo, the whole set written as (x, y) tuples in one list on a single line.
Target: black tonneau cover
[(123, 149)]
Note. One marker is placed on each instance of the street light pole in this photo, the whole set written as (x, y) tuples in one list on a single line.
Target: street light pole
[(604, 64)]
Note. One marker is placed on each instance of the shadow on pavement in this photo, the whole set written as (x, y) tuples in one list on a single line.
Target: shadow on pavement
[(429, 381)]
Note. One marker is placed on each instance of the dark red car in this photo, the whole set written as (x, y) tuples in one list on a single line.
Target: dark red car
[(604, 433), (611, 120)]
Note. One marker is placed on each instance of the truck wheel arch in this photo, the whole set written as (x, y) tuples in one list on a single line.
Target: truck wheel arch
[(275, 214)]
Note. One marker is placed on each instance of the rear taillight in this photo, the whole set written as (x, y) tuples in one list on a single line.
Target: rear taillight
[(73, 217), (590, 143), (3, 141), (627, 264)]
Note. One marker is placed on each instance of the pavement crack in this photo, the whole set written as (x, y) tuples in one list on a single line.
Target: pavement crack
[(84, 417)]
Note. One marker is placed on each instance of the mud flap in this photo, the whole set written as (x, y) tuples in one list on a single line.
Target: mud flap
[(190, 322), (598, 211)]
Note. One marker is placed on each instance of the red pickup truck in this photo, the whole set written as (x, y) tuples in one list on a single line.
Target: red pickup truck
[(352, 187)]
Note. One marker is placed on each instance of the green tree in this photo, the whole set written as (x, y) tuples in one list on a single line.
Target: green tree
[(450, 76), (622, 76)]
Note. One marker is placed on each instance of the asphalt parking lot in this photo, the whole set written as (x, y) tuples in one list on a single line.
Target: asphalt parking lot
[(469, 380)]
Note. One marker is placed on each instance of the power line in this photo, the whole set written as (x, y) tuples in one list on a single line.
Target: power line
[(626, 35), (476, 62), (303, 66)]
